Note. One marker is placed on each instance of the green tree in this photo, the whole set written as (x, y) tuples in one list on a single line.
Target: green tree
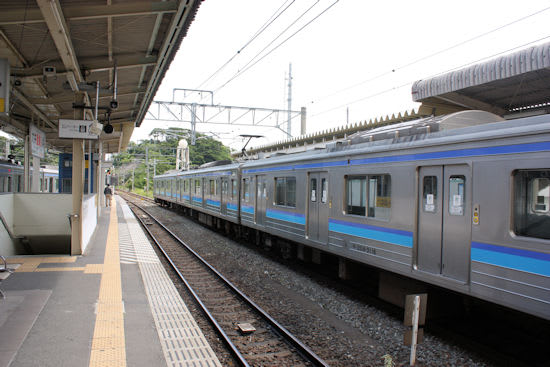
[(160, 149)]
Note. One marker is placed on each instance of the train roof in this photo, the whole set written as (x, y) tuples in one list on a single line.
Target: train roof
[(361, 143), (465, 126), (201, 171)]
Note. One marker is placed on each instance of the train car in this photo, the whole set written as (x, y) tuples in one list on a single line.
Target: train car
[(11, 178), (463, 208), (212, 190)]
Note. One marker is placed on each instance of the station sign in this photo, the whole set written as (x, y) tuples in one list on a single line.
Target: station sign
[(38, 141), (4, 86), (77, 129)]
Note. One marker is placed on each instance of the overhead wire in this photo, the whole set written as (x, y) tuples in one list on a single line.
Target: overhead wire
[(269, 21), (383, 74), (432, 76), (248, 66)]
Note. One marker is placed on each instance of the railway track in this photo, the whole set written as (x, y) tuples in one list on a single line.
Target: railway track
[(253, 337)]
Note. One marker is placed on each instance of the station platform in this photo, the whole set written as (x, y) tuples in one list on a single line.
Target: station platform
[(113, 306)]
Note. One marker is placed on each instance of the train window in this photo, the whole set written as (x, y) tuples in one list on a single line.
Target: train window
[(225, 188), (285, 191), (324, 190), (356, 195), (372, 189), (313, 189), (212, 185), (233, 189), (456, 195), (532, 203), (429, 194), (198, 186), (246, 187), (379, 196)]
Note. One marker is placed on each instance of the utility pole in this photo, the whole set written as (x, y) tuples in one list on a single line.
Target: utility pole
[(133, 177), (154, 167), (289, 126), (147, 168)]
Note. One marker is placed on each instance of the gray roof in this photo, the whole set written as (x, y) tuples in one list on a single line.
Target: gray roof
[(518, 81), (82, 40)]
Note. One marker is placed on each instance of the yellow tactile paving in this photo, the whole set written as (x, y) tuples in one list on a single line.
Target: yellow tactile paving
[(60, 269), (42, 259), (108, 345), (93, 269)]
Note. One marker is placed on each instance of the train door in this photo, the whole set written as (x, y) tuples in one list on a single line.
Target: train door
[(444, 217), (224, 195), (317, 218), (261, 199)]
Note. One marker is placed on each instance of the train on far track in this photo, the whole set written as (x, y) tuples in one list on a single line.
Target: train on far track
[(11, 177), (460, 201)]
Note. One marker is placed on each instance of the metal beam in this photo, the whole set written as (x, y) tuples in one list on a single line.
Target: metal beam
[(69, 99), (59, 31), (218, 114), (172, 36), (51, 11), (33, 108), (471, 103), (80, 12), (92, 65)]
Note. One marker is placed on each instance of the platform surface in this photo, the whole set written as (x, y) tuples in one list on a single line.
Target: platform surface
[(113, 306)]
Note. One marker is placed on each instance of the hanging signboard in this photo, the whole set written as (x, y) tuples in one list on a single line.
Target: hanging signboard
[(76, 129), (38, 141)]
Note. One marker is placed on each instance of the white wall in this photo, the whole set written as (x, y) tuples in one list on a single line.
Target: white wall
[(8, 247), (89, 219), (42, 214)]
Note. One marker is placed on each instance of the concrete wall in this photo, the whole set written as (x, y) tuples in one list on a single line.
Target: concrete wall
[(42, 219), (42, 214), (8, 247), (89, 219)]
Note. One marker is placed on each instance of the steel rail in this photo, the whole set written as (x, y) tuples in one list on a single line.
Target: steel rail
[(236, 354), (300, 347)]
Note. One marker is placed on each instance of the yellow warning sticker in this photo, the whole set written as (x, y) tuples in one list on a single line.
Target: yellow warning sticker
[(2, 105)]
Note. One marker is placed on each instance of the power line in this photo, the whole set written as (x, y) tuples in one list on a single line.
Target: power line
[(248, 67), (270, 21), (432, 55), (432, 76)]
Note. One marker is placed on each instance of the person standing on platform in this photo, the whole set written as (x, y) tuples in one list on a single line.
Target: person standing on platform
[(108, 193)]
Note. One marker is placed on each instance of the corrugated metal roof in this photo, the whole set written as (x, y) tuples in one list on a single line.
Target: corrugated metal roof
[(85, 38), (516, 81)]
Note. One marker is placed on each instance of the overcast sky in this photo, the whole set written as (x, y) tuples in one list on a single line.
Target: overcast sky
[(356, 55)]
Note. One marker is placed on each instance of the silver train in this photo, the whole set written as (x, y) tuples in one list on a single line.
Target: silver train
[(459, 201), (11, 178)]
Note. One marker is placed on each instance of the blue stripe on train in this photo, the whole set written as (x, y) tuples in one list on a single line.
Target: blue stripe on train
[(213, 202), (389, 235), (247, 209), (231, 206), (457, 153), (286, 216), (512, 258)]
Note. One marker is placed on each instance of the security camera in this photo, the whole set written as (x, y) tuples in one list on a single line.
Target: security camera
[(114, 104), (108, 129)]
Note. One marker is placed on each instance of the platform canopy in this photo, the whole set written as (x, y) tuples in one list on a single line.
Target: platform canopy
[(59, 49), (511, 85)]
